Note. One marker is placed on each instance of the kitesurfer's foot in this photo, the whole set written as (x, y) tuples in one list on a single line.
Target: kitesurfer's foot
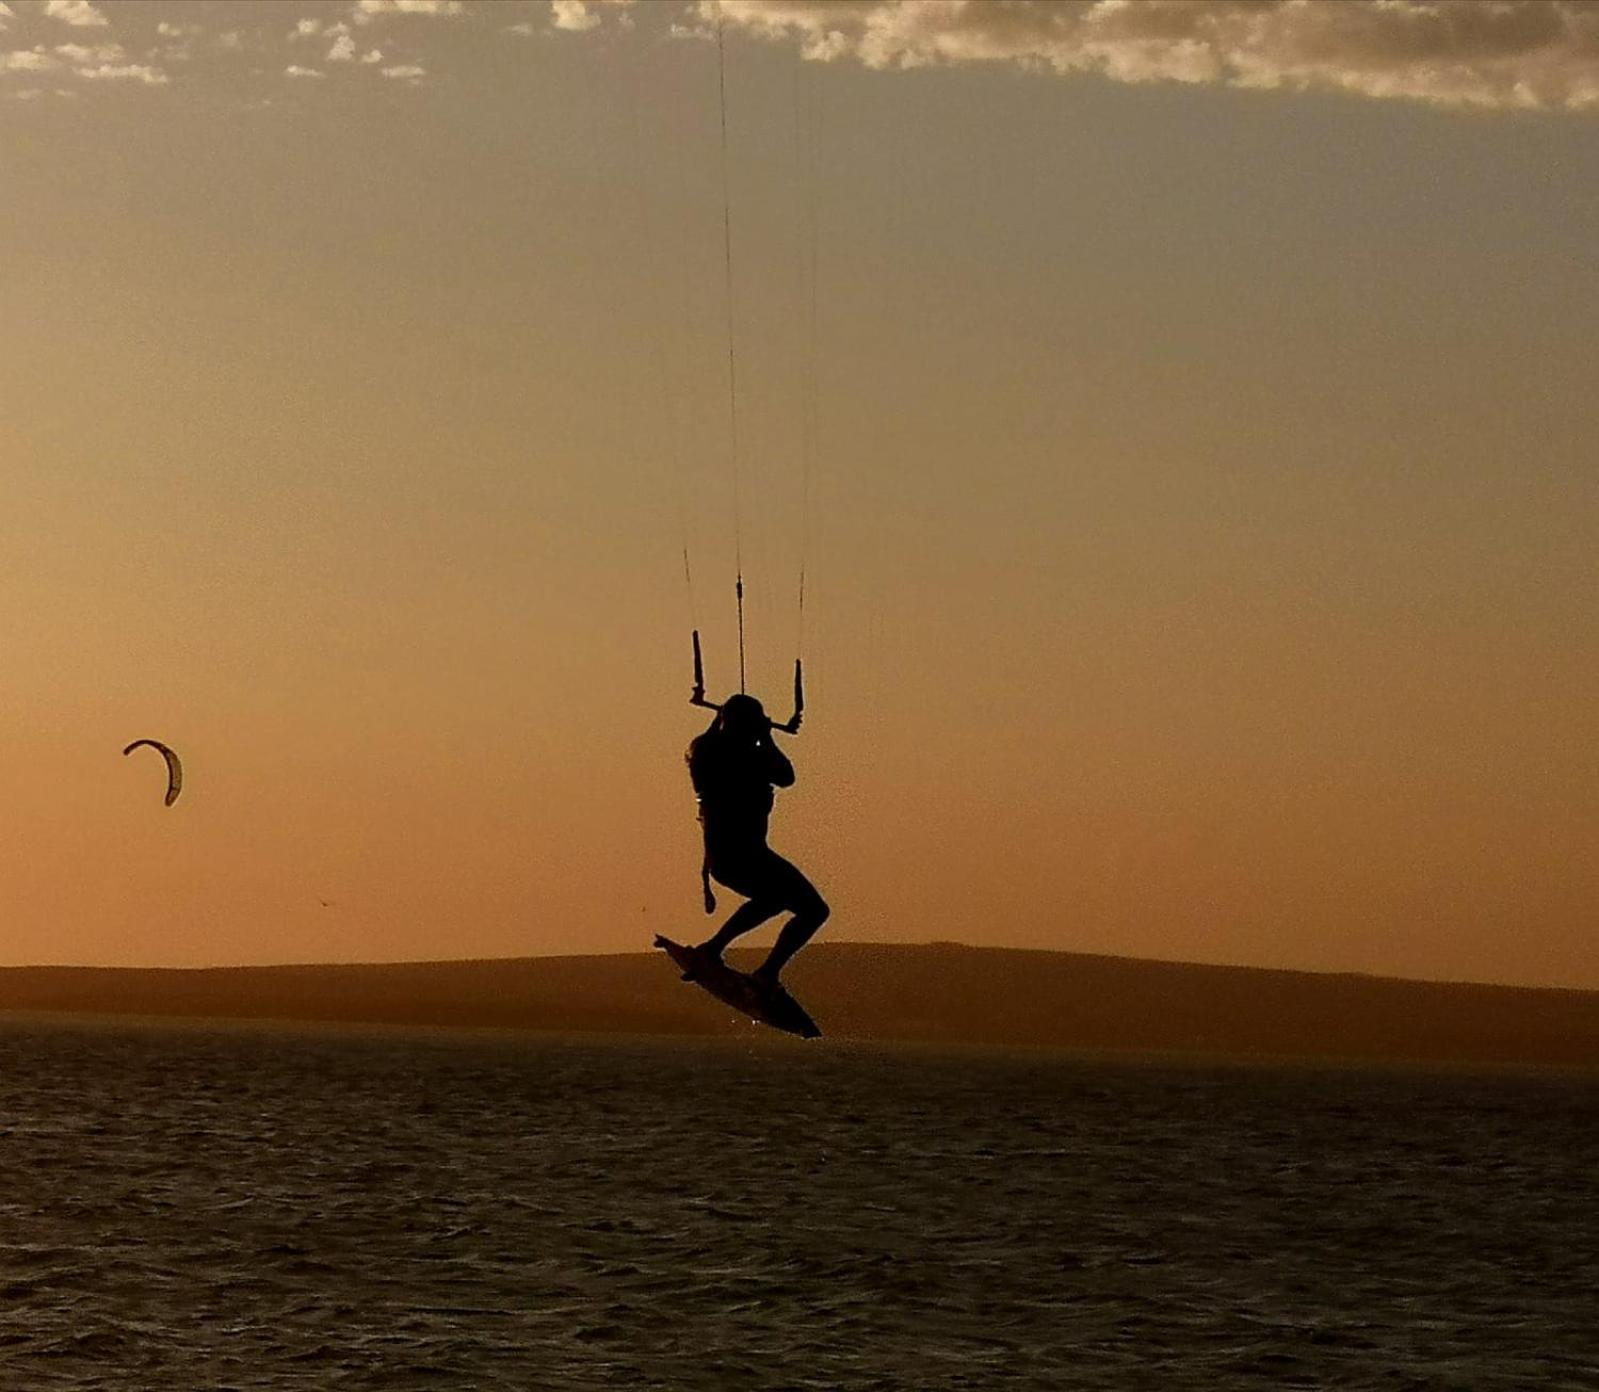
[(704, 956), (766, 978)]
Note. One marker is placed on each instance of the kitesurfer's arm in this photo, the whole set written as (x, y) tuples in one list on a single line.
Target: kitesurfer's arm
[(779, 772)]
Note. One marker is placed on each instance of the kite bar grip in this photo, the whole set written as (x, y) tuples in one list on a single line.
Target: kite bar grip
[(793, 723), (790, 726), (698, 698)]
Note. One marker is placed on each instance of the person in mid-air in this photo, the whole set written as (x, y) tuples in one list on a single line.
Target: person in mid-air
[(734, 766)]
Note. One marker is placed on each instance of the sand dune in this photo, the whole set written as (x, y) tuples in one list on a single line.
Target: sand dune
[(937, 993)]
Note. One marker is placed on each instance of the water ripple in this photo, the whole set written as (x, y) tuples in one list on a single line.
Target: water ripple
[(267, 1209)]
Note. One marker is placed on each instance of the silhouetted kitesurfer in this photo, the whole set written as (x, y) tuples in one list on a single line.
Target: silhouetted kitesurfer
[(734, 766)]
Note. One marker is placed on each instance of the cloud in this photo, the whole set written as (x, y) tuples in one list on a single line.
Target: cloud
[(525, 29), (306, 28), (1491, 54), (343, 50), (573, 16), (27, 60), (576, 16), (404, 72), (99, 53), (5, 14), (124, 72), (295, 70), (181, 39), (372, 55), (78, 13), (368, 8)]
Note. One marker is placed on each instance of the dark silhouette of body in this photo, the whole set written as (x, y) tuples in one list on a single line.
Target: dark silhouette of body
[(735, 765)]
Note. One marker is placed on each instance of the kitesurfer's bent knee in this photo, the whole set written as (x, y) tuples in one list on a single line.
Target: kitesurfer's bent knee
[(810, 915), (772, 885)]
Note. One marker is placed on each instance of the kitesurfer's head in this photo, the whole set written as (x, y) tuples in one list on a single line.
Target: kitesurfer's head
[(743, 717)]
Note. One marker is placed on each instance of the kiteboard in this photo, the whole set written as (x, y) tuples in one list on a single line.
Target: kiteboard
[(767, 1005)]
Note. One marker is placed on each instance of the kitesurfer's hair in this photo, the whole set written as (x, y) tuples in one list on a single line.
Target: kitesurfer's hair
[(708, 749), (739, 710), (701, 741)]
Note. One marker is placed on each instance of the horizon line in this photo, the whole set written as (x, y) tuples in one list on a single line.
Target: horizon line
[(846, 943)]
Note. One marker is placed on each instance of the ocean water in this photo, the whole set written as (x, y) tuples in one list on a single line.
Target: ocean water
[(256, 1207)]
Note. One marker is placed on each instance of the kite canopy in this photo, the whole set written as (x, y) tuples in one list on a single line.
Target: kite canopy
[(174, 767)]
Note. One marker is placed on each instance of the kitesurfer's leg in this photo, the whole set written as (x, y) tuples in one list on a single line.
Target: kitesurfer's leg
[(744, 865), (743, 919), (773, 886), (810, 913)]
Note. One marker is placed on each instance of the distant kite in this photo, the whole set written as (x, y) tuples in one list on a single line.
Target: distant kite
[(174, 768)]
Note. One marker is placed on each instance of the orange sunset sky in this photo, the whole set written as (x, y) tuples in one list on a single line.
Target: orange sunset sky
[(1191, 433)]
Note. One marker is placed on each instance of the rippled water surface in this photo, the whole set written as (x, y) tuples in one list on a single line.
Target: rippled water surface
[(195, 1207)]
